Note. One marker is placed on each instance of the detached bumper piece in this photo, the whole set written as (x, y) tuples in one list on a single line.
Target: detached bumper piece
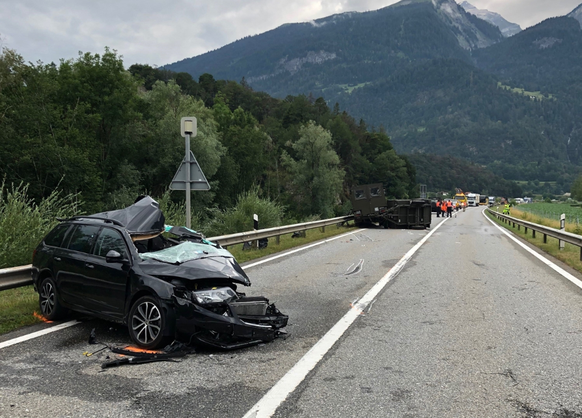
[(230, 325)]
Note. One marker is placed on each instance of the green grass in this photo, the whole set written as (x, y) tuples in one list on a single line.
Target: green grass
[(17, 306), (569, 255)]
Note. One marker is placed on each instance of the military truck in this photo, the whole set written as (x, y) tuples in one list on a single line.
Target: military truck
[(371, 208)]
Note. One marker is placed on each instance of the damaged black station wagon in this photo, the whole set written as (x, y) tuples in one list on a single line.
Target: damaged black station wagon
[(119, 266)]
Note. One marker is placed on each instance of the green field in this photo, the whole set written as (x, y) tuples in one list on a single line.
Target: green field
[(553, 211)]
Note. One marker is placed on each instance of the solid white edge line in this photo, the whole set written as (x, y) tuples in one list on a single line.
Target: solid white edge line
[(269, 403), (38, 333), (300, 249), (544, 260)]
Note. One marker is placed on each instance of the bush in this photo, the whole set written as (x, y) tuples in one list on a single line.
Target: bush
[(175, 213), (240, 217), (23, 223)]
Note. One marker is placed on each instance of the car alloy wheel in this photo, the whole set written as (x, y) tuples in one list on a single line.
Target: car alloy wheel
[(48, 302), (146, 322)]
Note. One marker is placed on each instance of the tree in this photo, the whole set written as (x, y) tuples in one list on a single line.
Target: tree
[(576, 188), (316, 178)]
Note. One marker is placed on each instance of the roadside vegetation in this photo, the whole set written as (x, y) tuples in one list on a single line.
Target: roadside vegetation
[(570, 254)]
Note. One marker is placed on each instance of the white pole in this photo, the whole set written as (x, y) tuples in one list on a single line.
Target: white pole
[(188, 215)]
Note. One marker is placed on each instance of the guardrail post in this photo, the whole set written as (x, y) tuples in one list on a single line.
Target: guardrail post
[(545, 238), (562, 228), (533, 232)]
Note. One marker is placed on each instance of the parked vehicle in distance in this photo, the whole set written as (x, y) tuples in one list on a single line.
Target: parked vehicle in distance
[(461, 198), (483, 200), (472, 199), (118, 266), (491, 200)]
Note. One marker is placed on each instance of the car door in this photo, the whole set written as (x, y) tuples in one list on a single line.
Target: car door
[(106, 282), (70, 269)]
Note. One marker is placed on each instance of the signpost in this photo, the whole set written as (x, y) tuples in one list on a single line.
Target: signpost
[(189, 175)]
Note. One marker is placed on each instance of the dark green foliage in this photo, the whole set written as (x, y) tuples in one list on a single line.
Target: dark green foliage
[(576, 189), (88, 127), (439, 172)]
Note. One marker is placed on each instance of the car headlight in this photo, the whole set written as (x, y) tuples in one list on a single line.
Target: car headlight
[(209, 296)]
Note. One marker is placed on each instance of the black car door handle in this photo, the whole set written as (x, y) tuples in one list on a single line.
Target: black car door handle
[(91, 266), (57, 258)]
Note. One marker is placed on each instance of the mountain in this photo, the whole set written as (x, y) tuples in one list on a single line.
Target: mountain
[(577, 14), (507, 28), (437, 79), (546, 57), (348, 48)]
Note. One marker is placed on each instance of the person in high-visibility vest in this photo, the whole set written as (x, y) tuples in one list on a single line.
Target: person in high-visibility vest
[(438, 208), (506, 209), (449, 208)]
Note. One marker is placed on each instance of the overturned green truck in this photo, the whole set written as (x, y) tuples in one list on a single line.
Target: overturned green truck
[(371, 208)]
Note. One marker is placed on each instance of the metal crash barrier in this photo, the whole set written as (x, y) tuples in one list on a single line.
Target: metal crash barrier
[(13, 277)]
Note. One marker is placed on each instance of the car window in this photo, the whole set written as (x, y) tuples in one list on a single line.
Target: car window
[(55, 237), (109, 239), (83, 237)]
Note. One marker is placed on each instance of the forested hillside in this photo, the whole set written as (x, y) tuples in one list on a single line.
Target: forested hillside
[(103, 135), (90, 127)]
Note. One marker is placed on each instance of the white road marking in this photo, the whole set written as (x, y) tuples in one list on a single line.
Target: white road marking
[(544, 260), (38, 334), (300, 249), (269, 403)]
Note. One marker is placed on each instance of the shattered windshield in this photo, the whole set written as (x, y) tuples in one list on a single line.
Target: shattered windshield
[(186, 251)]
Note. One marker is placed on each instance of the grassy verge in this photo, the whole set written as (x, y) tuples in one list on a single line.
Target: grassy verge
[(569, 255), (18, 306)]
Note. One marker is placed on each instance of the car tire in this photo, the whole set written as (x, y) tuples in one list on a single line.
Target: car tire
[(48, 302), (147, 323)]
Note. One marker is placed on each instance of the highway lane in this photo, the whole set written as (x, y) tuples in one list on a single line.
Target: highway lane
[(473, 327), (49, 376)]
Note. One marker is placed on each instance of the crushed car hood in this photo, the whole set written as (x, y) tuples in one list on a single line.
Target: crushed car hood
[(225, 268), (144, 217)]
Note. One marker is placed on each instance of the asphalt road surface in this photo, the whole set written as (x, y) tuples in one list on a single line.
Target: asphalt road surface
[(472, 326)]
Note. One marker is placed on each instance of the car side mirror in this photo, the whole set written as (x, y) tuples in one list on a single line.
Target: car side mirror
[(114, 257)]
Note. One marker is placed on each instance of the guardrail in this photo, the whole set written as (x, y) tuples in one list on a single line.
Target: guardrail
[(13, 277), (545, 230)]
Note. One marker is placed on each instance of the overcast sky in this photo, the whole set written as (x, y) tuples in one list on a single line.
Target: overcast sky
[(159, 32)]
